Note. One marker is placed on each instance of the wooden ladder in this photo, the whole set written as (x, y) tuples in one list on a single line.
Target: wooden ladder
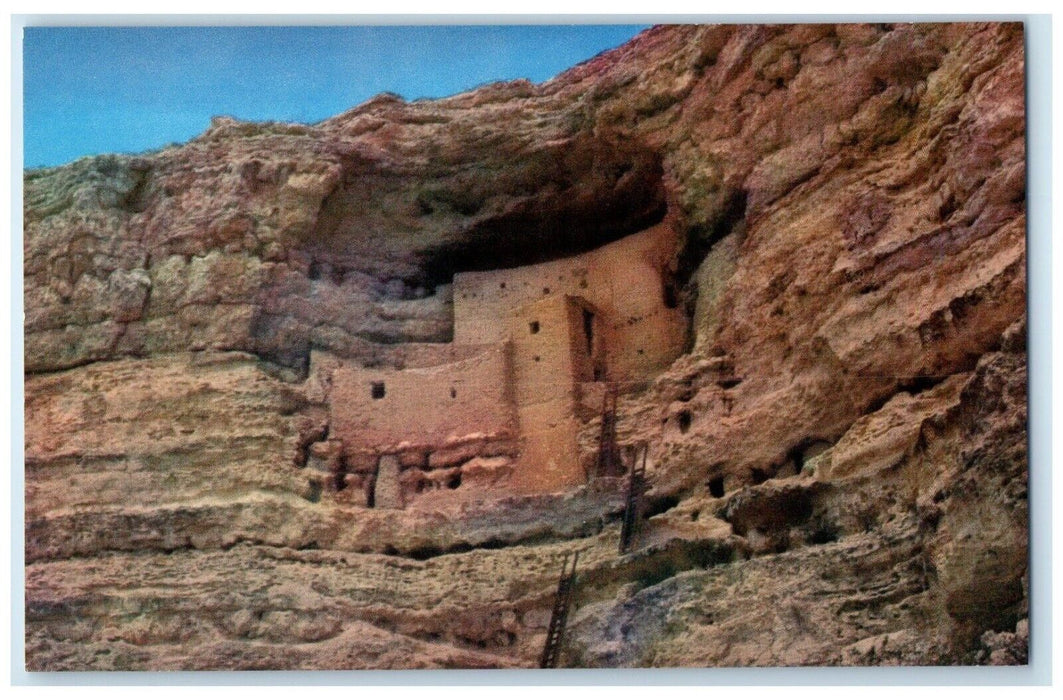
[(608, 452), (562, 601), (636, 486)]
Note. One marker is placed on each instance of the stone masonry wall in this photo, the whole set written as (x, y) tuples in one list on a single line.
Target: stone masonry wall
[(432, 406), (549, 357), (622, 280)]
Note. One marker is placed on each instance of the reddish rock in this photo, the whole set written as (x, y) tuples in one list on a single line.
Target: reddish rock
[(837, 463)]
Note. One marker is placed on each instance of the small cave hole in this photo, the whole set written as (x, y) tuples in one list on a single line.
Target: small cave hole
[(759, 476), (533, 327), (918, 384), (670, 298), (823, 533), (685, 419), (453, 393), (377, 390), (536, 358), (546, 290), (877, 404), (501, 285), (454, 481), (947, 207), (716, 487), (314, 272)]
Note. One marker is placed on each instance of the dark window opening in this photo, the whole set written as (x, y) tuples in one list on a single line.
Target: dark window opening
[(536, 358), (546, 290), (370, 492), (501, 285), (377, 390), (588, 330), (759, 476), (599, 374), (454, 481), (533, 327), (684, 421), (716, 487), (453, 393)]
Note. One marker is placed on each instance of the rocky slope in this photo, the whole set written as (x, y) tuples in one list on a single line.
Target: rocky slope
[(838, 463)]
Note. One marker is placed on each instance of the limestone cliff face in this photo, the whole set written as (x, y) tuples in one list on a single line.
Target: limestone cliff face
[(838, 462)]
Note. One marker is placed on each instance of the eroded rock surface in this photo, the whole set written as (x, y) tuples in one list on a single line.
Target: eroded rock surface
[(838, 462)]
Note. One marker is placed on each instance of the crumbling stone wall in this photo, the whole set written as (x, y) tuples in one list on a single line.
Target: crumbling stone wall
[(388, 410)]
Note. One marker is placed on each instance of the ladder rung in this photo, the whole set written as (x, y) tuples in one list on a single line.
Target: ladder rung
[(559, 617)]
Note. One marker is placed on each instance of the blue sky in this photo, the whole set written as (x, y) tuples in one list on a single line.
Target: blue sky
[(91, 90)]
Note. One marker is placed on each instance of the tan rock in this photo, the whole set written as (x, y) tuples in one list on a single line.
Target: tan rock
[(815, 235)]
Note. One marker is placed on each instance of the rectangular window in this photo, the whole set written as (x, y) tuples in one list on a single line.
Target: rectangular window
[(588, 330)]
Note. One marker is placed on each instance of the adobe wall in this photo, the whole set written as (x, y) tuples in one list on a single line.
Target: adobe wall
[(550, 355), (623, 280), (422, 406)]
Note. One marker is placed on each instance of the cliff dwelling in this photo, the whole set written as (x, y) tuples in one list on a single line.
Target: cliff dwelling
[(500, 407), (734, 316)]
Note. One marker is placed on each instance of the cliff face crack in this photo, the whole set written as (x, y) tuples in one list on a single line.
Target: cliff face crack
[(730, 217)]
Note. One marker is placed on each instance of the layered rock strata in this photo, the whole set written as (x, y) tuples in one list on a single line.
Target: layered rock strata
[(838, 462)]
